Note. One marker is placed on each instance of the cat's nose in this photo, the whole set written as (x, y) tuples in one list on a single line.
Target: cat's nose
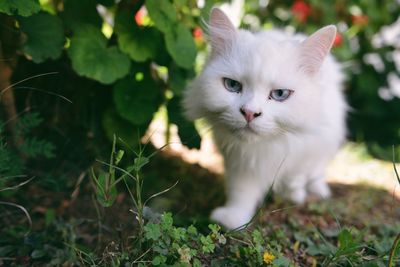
[(248, 114)]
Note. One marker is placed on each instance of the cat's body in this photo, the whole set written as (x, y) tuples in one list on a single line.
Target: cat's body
[(277, 113)]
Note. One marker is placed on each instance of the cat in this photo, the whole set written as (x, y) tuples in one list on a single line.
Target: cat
[(277, 111)]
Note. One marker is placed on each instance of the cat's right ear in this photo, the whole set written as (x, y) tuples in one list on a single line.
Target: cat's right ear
[(221, 32)]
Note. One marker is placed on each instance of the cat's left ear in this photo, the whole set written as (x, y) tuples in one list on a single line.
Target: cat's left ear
[(221, 32), (315, 48)]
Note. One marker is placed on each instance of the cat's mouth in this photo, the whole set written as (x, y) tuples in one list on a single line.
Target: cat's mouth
[(248, 129)]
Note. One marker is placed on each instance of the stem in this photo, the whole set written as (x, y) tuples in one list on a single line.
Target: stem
[(393, 251), (139, 203)]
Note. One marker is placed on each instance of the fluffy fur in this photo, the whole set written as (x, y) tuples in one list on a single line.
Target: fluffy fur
[(288, 146)]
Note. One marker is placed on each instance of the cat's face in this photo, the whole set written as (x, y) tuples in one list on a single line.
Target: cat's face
[(255, 85)]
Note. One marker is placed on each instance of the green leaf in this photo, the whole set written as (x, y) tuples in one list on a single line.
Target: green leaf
[(136, 100), (152, 231), (192, 230), (178, 78), (106, 194), (186, 130), (160, 259), (163, 13), (45, 36), (23, 8), (140, 162), (140, 43), (77, 13), (207, 244), (114, 124), (181, 46), (345, 239), (167, 221), (38, 253), (91, 58), (281, 261)]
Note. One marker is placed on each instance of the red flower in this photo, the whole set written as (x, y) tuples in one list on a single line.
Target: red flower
[(338, 40), (301, 10), (360, 19), (139, 16), (197, 33)]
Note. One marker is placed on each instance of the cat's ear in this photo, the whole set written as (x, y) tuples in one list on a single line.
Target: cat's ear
[(221, 32), (315, 48)]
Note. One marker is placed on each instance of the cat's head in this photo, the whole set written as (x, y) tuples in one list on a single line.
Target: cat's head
[(259, 84)]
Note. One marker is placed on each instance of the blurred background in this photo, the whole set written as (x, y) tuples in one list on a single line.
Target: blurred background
[(75, 73)]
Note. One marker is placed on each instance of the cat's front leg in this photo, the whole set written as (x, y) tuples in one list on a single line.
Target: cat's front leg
[(244, 193)]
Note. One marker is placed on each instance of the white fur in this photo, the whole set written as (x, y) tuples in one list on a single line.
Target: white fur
[(288, 147)]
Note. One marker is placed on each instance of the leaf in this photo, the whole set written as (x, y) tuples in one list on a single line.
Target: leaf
[(34, 147), (186, 130), (23, 8), (136, 100), (105, 193), (178, 78), (91, 58), (181, 46), (45, 36), (140, 162), (140, 43), (77, 13), (281, 261), (345, 239), (37, 253), (163, 14), (158, 260), (152, 231), (114, 124)]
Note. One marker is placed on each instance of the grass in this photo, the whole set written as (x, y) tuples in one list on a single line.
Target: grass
[(119, 219)]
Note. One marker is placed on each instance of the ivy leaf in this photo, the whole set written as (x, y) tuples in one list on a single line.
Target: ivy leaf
[(136, 99), (181, 46), (163, 13), (77, 13), (45, 36), (139, 43), (23, 8), (91, 58), (186, 130)]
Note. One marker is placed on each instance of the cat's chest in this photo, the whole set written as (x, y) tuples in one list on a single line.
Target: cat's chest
[(257, 155)]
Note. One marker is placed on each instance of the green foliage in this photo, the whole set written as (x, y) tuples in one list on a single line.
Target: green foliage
[(77, 13), (137, 98), (181, 46), (92, 58), (143, 59), (140, 43), (32, 147), (21, 7), (45, 36)]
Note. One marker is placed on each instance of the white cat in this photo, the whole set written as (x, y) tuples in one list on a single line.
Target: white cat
[(277, 112)]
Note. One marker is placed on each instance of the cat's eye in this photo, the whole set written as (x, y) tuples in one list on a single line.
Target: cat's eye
[(280, 94), (232, 85)]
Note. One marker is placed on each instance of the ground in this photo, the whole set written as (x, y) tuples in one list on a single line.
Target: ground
[(372, 214)]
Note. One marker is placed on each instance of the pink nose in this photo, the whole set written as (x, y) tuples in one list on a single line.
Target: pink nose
[(248, 114)]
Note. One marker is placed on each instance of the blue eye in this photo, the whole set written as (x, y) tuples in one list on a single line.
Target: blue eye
[(232, 85), (280, 94)]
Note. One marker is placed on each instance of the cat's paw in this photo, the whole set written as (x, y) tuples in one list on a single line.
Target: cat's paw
[(230, 217), (319, 189), (298, 196)]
